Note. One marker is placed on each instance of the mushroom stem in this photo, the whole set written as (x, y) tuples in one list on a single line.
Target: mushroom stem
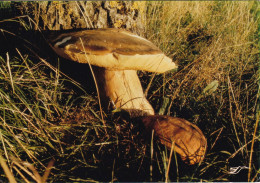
[(122, 89)]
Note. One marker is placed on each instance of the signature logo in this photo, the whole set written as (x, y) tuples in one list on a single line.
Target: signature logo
[(236, 170)]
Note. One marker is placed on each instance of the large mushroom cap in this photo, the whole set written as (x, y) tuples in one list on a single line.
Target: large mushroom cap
[(188, 140), (112, 48)]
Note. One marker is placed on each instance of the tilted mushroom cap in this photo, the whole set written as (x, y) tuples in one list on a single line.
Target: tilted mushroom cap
[(188, 140), (113, 49)]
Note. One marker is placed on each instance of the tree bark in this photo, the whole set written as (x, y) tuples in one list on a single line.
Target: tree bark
[(59, 15)]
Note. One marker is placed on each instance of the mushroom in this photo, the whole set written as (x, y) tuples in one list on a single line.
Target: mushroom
[(185, 138), (117, 55)]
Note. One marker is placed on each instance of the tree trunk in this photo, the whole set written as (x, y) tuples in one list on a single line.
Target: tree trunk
[(59, 15)]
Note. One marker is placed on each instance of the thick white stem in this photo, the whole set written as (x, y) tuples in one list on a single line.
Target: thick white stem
[(122, 88)]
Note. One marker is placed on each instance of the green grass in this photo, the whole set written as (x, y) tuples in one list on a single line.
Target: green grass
[(45, 115)]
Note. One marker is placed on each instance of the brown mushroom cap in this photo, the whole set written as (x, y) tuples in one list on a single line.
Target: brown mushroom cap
[(113, 49), (188, 139)]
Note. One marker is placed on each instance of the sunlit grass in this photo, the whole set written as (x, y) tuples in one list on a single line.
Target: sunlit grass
[(212, 42)]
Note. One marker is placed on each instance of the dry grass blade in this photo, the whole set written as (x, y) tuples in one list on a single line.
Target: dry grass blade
[(21, 174), (231, 96), (48, 171), (18, 164), (169, 162), (92, 72), (152, 151), (242, 148), (252, 145), (33, 173), (220, 131), (87, 19), (10, 73), (7, 171)]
